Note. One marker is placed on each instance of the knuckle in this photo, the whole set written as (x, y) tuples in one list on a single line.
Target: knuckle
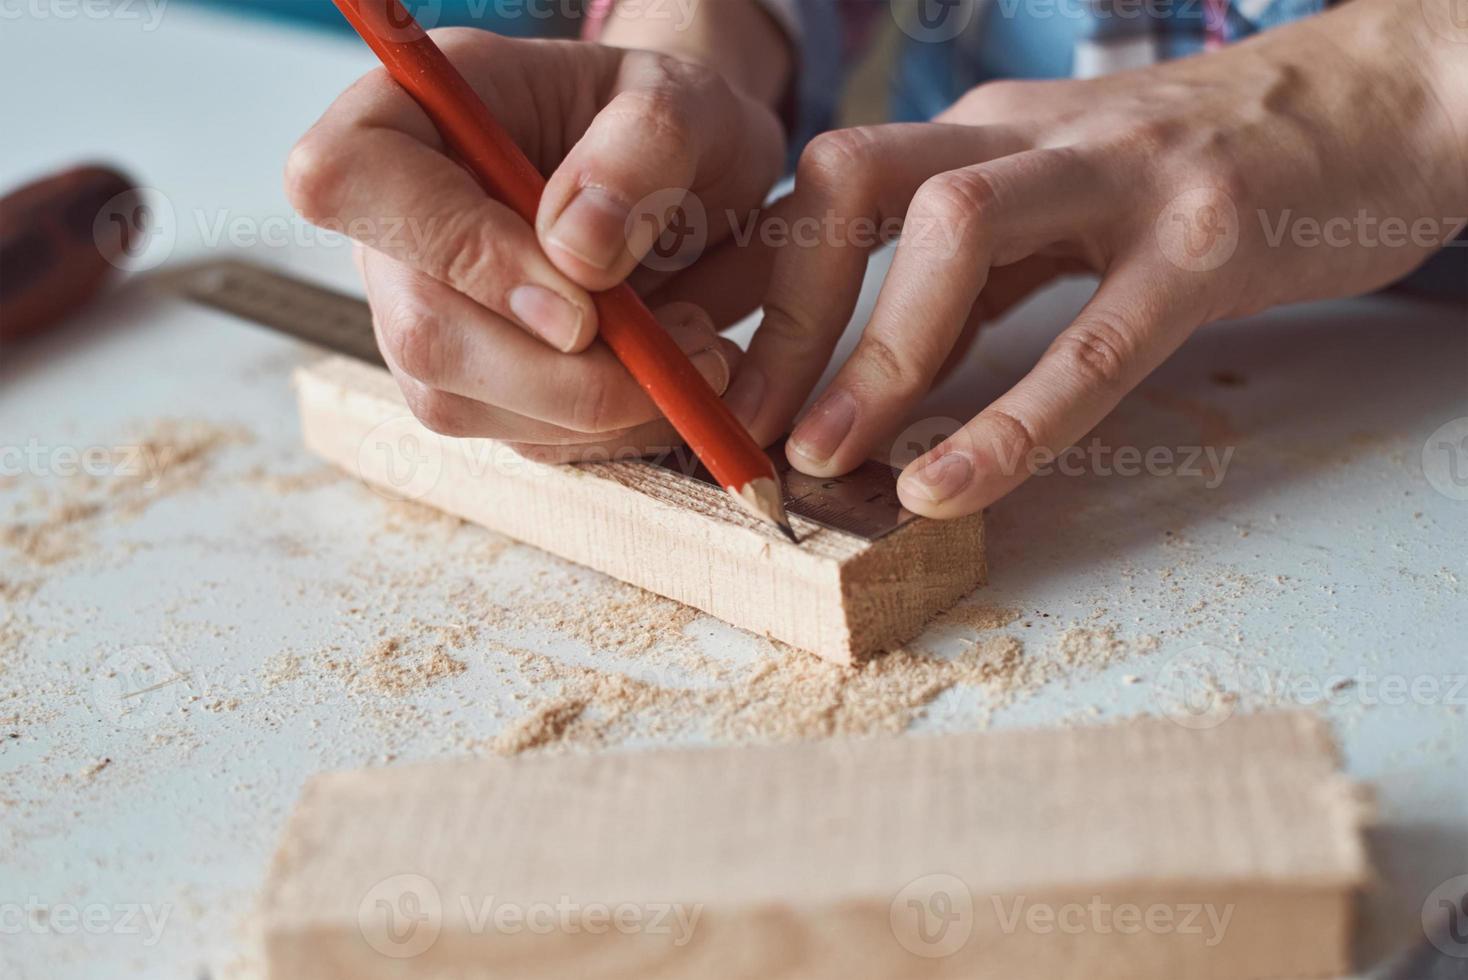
[(886, 370), (415, 340), (472, 253), (1010, 437), (958, 199), (659, 116), (441, 413), (1098, 351), (786, 327), (836, 159), (314, 176), (593, 405), (999, 96)]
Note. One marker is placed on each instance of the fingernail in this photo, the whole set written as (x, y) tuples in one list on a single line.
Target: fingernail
[(551, 316), (941, 478), (821, 433), (593, 227), (747, 395), (714, 367)]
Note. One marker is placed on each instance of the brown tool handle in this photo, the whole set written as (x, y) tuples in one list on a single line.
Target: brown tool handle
[(53, 259)]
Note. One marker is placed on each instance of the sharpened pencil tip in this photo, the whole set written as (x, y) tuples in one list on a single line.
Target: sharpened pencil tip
[(789, 533)]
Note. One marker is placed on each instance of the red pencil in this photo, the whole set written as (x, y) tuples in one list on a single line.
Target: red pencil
[(626, 324)]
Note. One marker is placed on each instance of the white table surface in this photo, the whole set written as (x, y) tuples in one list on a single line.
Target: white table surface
[(1323, 554)]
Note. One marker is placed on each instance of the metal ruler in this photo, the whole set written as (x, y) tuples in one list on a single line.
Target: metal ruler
[(862, 503)]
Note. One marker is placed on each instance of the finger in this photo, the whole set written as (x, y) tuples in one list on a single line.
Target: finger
[(1008, 287), (460, 417), (727, 281), (960, 224), (657, 440), (1137, 318), (370, 170), (850, 187), (673, 127), (448, 343)]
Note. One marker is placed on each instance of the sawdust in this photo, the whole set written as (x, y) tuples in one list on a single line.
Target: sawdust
[(627, 621), (1098, 647), (542, 726), (170, 457), (786, 695), (980, 617), (396, 666)]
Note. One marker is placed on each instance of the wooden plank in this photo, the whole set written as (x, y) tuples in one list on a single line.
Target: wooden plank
[(835, 594), (1139, 851)]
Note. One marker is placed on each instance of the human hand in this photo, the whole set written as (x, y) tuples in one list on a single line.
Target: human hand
[(1183, 186), (486, 323)]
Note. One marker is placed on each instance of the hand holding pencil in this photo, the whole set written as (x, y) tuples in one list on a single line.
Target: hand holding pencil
[(460, 260)]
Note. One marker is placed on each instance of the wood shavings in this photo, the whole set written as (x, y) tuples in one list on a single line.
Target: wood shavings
[(545, 724), (979, 616), (170, 457), (394, 666)]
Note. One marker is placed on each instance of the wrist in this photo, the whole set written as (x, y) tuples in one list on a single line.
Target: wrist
[(1402, 86), (736, 38), (1443, 40)]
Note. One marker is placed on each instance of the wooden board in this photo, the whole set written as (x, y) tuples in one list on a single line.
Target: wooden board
[(837, 595), (1133, 852)]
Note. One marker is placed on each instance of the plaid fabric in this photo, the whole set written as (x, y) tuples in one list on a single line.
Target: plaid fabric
[(949, 46)]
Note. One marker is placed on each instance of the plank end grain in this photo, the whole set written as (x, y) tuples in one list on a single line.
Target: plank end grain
[(837, 595), (1142, 851)]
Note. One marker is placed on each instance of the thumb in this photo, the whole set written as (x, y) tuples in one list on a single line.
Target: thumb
[(627, 177)]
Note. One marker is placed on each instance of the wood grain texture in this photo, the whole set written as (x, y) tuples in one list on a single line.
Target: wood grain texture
[(1139, 851), (835, 594)]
